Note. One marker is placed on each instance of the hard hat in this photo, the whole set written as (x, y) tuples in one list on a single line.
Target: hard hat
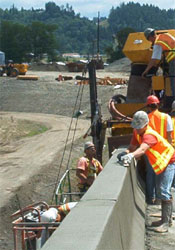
[(140, 120), (88, 144), (152, 99), (173, 106), (148, 32)]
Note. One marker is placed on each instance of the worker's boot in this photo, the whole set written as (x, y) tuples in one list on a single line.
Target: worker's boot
[(171, 215), (158, 222), (166, 214)]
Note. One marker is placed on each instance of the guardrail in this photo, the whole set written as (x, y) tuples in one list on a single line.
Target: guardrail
[(110, 216)]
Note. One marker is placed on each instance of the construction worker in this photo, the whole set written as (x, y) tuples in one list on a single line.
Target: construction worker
[(159, 121), (161, 156), (54, 214), (163, 45), (88, 167)]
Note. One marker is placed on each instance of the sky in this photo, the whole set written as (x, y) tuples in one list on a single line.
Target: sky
[(87, 8)]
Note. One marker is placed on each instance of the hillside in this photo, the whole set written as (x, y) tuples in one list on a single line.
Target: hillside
[(79, 34)]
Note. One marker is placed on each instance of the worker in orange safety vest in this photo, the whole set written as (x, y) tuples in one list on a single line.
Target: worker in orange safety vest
[(55, 214), (159, 121), (161, 156), (163, 46), (88, 167)]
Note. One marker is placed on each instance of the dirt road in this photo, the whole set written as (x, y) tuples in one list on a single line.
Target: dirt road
[(27, 156)]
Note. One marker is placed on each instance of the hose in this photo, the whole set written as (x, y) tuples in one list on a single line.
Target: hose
[(115, 113)]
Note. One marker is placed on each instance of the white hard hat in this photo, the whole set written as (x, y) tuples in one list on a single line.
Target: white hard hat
[(173, 106), (140, 120), (88, 144), (148, 32)]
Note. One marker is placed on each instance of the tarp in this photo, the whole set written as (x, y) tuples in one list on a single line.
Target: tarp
[(2, 58)]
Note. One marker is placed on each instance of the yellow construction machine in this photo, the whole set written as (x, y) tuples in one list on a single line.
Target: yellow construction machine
[(13, 69), (157, 81)]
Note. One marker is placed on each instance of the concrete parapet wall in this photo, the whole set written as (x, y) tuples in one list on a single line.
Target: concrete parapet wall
[(110, 216)]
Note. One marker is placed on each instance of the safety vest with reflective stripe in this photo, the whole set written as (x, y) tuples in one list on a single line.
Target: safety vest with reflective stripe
[(160, 154), (158, 122), (167, 42), (65, 208), (173, 133), (93, 168)]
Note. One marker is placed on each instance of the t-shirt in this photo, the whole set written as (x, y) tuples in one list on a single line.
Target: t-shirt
[(150, 140), (157, 52), (169, 127), (169, 124)]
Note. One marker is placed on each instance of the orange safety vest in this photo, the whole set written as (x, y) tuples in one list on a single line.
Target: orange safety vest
[(173, 132), (65, 208), (92, 168), (167, 42), (158, 122), (160, 154)]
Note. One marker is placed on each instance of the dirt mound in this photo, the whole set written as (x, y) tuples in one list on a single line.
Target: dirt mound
[(122, 65)]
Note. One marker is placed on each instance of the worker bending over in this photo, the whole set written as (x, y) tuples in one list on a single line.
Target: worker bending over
[(54, 214), (163, 46), (88, 167), (161, 156)]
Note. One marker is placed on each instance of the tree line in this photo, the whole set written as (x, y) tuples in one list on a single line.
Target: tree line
[(57, 29)]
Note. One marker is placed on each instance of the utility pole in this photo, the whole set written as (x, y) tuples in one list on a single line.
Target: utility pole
[(98, 36), (97, 132)]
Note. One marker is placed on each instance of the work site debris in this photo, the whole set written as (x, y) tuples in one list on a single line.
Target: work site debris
[(28, 77), (63, 78), (106, 81)]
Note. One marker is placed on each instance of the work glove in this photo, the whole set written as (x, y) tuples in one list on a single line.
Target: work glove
[(127, 158), (120, 155)]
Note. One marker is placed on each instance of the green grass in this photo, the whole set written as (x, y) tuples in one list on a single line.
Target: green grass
[(12, 129), (40, 129)]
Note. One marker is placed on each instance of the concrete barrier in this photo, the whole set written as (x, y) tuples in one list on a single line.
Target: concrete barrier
[(110, 216)]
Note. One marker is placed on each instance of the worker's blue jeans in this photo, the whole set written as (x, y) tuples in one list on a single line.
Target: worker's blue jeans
[(164, 182), (150, 182)]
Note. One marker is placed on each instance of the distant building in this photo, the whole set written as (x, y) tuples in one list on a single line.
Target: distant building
[(73, 55)]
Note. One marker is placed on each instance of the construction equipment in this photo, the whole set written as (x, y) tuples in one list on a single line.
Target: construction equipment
[(139, 50), (36, 222), (13, 69), (30, 224)]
